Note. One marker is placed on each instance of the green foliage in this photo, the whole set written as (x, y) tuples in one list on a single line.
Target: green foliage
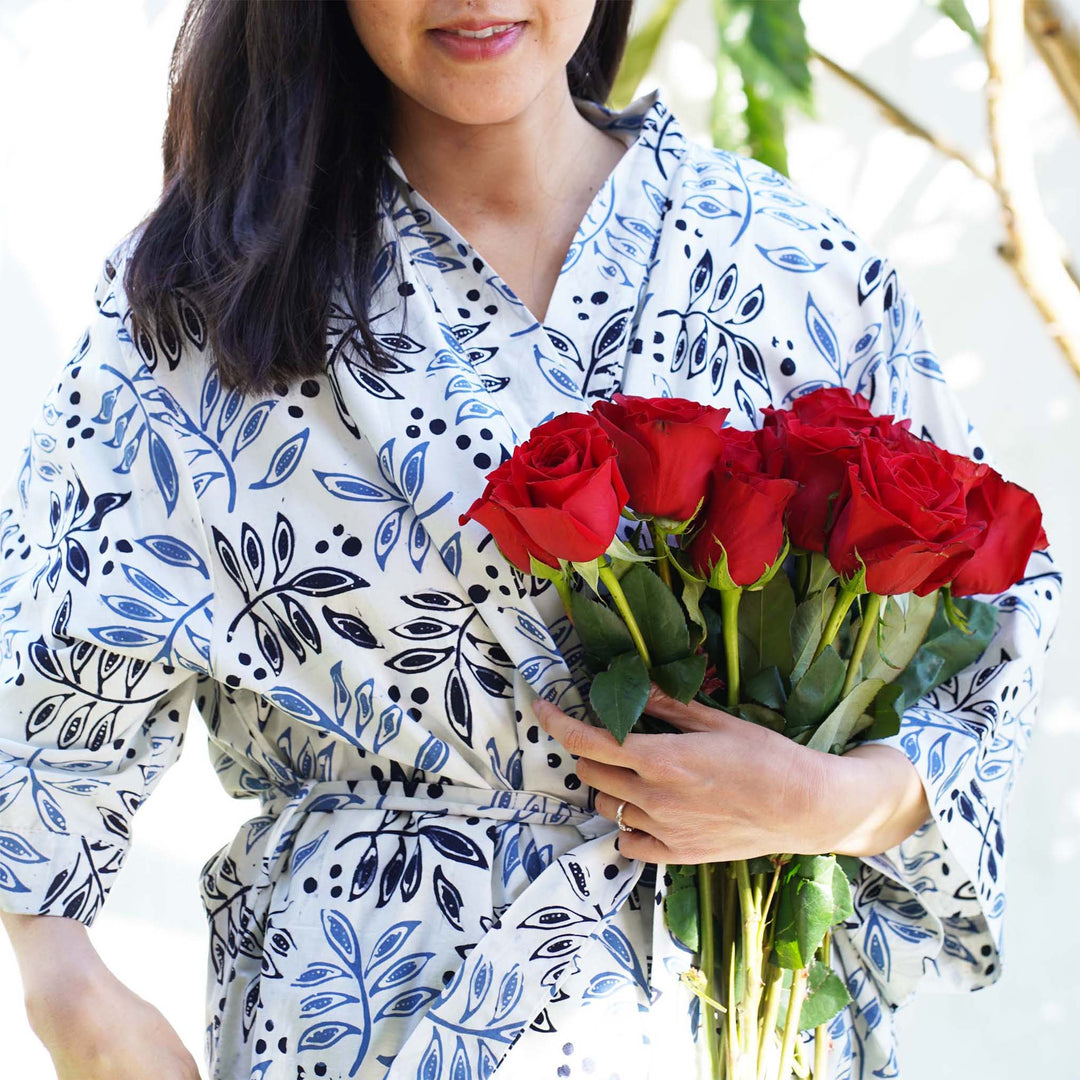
[(619, 694), (814, 895), (681, 904), (657, 613), (826, 996)]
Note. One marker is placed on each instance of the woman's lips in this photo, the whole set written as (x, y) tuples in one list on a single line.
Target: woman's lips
[(462, 47)]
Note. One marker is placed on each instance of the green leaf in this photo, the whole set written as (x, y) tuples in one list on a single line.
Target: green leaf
[(658, 614), (826, 995), (681, 906), (822, 573), (765, 619), (785, 952), (773, 51), (807, 626), (639, 52), (815, 695), (601, 630), (835, 731), (765, 129), (620, 551), (760, 714), (945, 652), (850, 865), (886, 716), (618, 695), (814, 905), (692, 591), (843, 904), (681, 679), (590, 571), (958, 12), (767, 688), (898, 637)]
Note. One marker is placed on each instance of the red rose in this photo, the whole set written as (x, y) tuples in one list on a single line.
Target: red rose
[(816, 439), (666, 449), (743, 516), (836, 406), (904, 514), (559, 496), (1013, 530), (817, 459)]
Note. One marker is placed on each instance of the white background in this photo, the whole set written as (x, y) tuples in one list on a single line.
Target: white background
[(82, 104)]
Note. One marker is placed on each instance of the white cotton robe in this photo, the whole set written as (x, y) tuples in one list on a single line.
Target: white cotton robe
[(426, 892)]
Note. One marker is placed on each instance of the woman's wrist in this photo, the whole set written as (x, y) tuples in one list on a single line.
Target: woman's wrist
[(874, 799)]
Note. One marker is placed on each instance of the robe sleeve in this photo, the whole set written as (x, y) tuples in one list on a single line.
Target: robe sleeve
[(930, 911), (104, 619)]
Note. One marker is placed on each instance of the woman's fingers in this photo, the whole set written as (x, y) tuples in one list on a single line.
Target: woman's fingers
[(691, 716), (585, 740)]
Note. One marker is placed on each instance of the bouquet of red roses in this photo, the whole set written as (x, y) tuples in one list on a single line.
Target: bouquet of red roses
[(815, 576)]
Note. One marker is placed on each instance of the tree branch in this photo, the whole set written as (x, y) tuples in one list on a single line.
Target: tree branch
[(1034, 249), (901, 119), (1056, 41)]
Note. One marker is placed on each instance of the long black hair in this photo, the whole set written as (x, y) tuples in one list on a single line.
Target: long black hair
[(273, 159)]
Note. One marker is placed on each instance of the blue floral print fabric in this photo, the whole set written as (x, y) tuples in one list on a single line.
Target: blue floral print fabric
[(426, 891)]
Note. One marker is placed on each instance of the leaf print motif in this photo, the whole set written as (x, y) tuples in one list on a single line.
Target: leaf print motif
[(284, 461), (454, 845), (790, 258), (822, 335)]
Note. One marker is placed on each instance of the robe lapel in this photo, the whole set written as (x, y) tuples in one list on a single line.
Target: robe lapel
[(506, 376)]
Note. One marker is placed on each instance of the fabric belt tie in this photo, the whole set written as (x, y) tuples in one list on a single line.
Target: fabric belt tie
[(557, 922)]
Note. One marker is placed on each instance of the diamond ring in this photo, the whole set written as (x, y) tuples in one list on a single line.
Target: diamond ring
[(618, 819)]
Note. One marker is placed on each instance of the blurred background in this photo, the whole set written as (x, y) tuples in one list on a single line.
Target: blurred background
[(882, 109)]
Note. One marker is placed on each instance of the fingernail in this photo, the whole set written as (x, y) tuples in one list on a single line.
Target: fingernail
[(538, 708)]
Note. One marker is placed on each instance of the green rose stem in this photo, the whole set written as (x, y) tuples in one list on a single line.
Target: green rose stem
[(659, 540), (836, 617), (708, 957), (773, 977), (796, 997), (727, 964), (607, 576), (729, 616), (802, 573), (752, 985), (562, 584), (821, 1032), (869, 622)]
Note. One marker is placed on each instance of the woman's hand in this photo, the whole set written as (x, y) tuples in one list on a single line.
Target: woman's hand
[(723, 788), (93, 1026)]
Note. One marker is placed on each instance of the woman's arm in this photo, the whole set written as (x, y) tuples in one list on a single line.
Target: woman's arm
[(92, 1025)]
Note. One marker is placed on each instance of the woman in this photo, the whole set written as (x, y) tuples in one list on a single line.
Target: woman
[(248, 505)]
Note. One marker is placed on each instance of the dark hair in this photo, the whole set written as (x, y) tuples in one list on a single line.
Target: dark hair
[(274, 156)]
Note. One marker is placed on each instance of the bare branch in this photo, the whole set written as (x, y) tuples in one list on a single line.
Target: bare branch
[(1034, 250)]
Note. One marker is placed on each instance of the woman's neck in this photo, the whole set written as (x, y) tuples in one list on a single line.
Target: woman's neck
[(512, 171)]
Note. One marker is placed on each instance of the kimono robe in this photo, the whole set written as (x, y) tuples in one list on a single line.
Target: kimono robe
[(426, 891)]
